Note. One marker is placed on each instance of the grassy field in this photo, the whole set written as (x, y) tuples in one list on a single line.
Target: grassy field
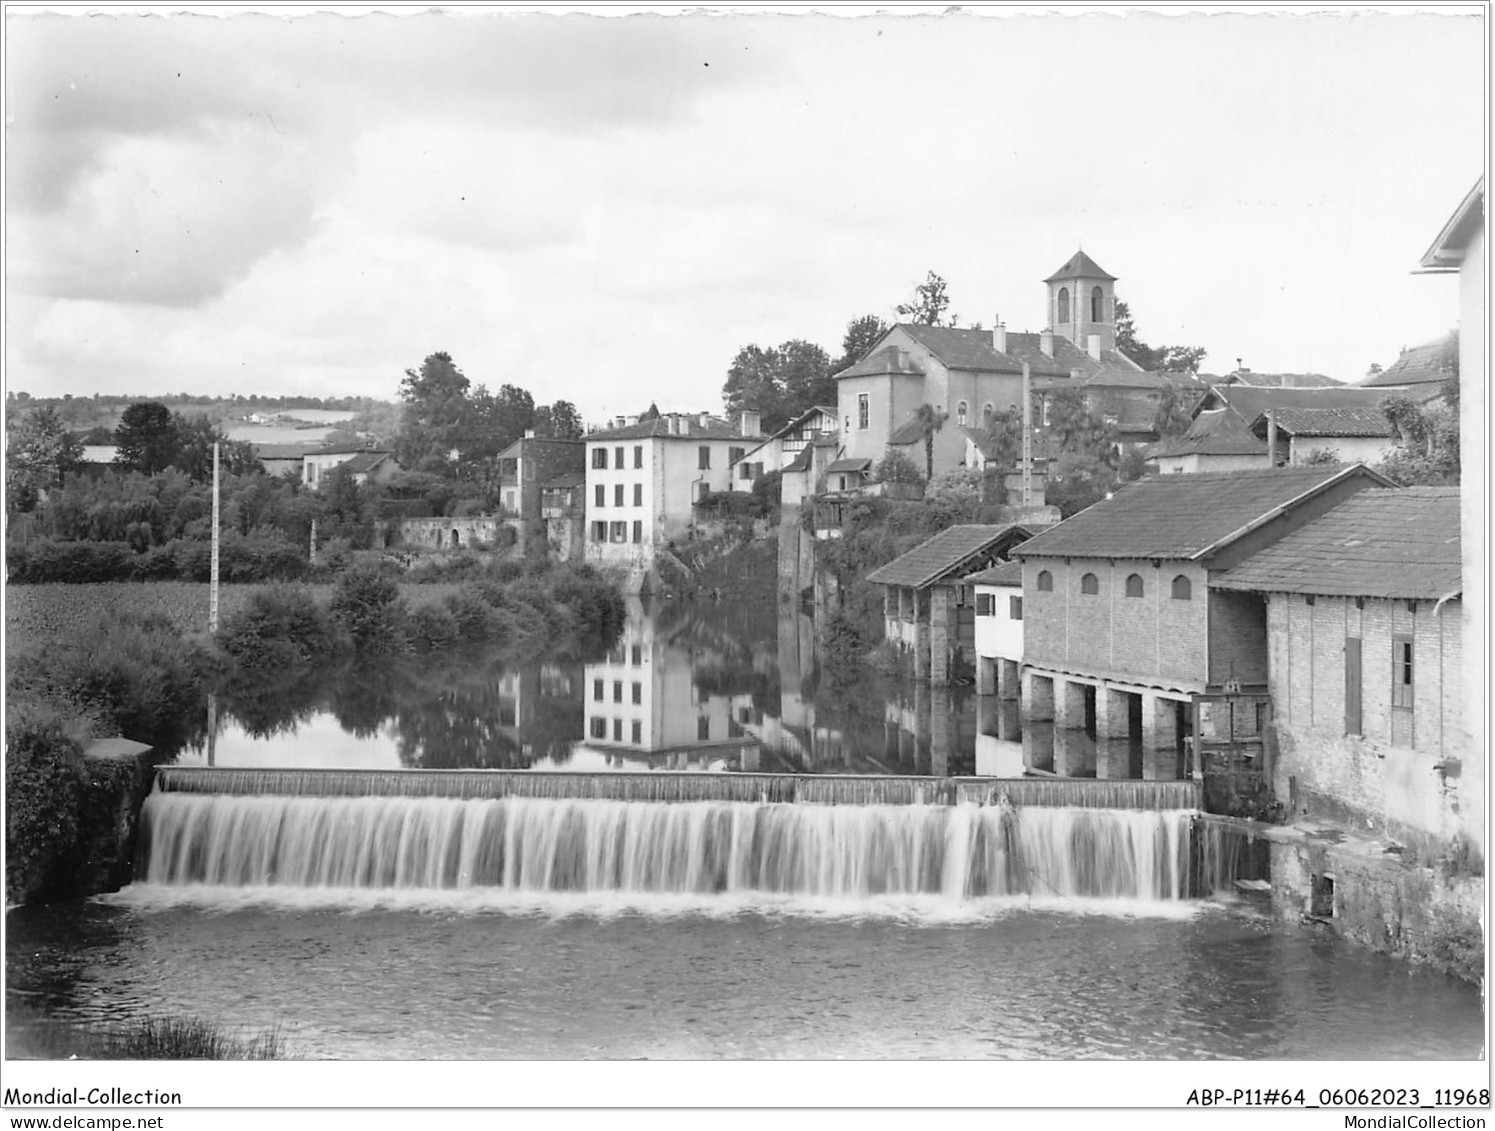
[(34, 612)]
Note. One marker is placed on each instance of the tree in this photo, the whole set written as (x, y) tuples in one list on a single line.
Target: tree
[(861, 335), (436, 412), (146, 437), (930, 304), (1004, 436), (195, 440), (39, 454), (779, 383), (1427, 439), (931, 420), (1077, 429), (1171, 359), (1175, 412), (560, 421), (896, 467)]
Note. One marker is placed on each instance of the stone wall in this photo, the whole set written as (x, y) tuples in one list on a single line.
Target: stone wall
[(477, 532)]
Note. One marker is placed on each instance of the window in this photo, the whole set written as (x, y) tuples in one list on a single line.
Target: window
[(617, 691), (735, 454), (599, 458), (704, 457), (744, 471), (1401, 672), (617, 494), (1090, 584), (638, 733), (618, 457), (1134, 585), (638, 455), (703, 728), (988, 410), (1097, 305), (984, 605), (1045, 581), (638, 531), (599, 728), (638, 692), (864, 409), (599, 532), (597, 690), (617, 730), (1183, 589), (1063, 304), (636, 655), (619, 532), (638, 494), (961, 412), (600, 495), (1014, 608), (1044, 404)]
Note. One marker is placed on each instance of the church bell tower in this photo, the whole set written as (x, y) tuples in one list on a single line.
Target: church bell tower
[(1082, 302)]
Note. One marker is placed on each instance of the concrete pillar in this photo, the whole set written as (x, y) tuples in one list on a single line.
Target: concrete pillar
[(1069, 705), (986, 675), (1038, 745), (1111, 747), (1038, 697), (1159, 738), (921, 637), (1008, 727), (1074, 749), (942, 634)]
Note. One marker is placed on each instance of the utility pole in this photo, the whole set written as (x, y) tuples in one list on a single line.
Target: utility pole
[(1027, 436), (213, 576)]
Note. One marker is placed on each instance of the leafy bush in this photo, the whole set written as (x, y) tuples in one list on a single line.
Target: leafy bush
[(897, 467), (279, 627), (432, 627), (44, 783), (71, 562), (367, 605)]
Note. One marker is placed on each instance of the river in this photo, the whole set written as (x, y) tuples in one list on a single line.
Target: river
[(450, 928)]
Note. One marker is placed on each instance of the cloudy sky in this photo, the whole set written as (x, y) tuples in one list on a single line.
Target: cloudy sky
[(607, 207)]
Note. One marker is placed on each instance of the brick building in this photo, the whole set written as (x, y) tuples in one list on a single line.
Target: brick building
[(525, 468), (1128, 645), (1364, 659)]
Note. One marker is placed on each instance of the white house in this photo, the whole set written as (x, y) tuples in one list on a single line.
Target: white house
[(782, 449), (999, 629), (645, 477), (362, 463), (1353, 435)]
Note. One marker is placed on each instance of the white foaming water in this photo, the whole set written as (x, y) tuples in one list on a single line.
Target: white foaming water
[(599, 857)]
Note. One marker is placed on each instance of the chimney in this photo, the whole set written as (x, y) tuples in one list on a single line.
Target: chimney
[(674, 428), (619, 421), (999, 337), (750, 422), (705, 419), (1092, 346), (529, 433), (1271, 438), (1046, 343), (632, 420)]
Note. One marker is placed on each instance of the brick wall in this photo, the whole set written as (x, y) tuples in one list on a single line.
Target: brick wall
[(1402, 774), (1237, 637), (1151, 639)]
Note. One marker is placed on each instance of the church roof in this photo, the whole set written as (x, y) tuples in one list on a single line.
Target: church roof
[(1080, 266)]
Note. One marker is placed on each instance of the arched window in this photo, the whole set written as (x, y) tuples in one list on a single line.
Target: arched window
[(960, 414), (1090, 584), (1134, 585), (1045, 581), (1097, 305), (1182, 589), (987, 412), (1063, 304)]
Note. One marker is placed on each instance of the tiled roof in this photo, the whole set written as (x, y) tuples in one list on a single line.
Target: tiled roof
[(941, 555), (889, 359), (363, 462), (1431, 362), (1080, 265), (985, 443), (849, 465), (1251, 379), (343, 449), (516, 449), (1251, 401), (1008, 573), (565, 479), (801, 462), (1327, 422), (1120, 377), (283, 451), (1379, 543), (827, 440), (1183, 516), (1216, 433), (659, 428), (974, 350)]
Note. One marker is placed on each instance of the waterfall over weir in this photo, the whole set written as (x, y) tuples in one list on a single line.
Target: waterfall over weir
[(535, 845)]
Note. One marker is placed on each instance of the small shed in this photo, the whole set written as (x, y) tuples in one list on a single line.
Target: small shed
[(928, 603)]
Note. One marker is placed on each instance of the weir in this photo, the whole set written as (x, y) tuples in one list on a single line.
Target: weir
[(662, 786)]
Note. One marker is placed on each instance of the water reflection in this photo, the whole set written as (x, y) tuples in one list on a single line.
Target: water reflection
[(707, 685)]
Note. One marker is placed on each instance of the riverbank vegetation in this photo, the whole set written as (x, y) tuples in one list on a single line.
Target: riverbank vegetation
[(150, 1038)]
